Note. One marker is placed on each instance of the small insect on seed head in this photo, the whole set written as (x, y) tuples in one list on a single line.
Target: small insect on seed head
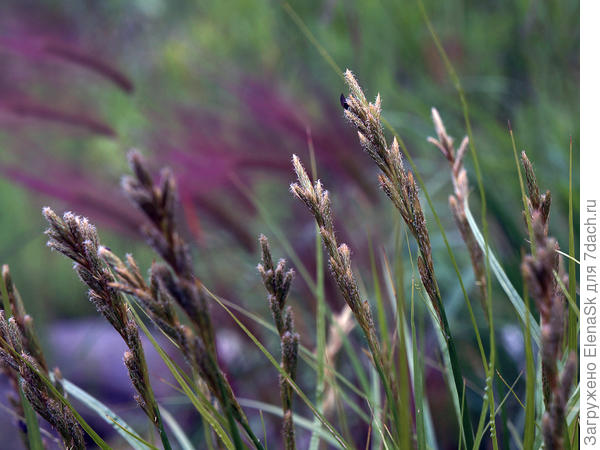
[(343, 101)]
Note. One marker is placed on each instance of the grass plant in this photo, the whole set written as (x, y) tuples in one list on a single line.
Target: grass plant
[(369, 362)]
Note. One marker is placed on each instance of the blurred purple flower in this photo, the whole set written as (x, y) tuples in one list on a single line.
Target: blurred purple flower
[(37, 50)]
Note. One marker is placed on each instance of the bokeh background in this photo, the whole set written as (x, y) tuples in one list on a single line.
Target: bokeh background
[(224, 93)]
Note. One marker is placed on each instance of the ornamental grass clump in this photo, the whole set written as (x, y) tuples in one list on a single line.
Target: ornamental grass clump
[(388, 400)]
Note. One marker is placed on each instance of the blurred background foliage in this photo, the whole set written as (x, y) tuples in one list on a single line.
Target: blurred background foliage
[(225, 92)]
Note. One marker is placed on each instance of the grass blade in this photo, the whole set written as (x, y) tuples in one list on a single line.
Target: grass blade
[(283, 373), (302, 422), (105, 412), (320, 325), (202, 407), (505, 283), (135, 437), (573, 321), (417, 376)]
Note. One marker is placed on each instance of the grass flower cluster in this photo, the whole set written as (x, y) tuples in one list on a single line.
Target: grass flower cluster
[(393, 405)]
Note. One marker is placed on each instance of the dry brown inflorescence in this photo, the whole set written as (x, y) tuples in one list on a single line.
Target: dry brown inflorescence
[(540, 270), (22, 360), (277, 281)]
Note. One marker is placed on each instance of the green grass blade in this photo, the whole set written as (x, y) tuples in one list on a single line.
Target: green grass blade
[(417, 376), (572, 327), (523, 193), (320, 325), (481, 424), (283, 373), (573, 407), (264, 429), (311, 37), (300, 421), (515, 435), (103, 411), (505, 283), (399, 365), (451, 379), (135, 437), (381, 315), (200, 406), (377, 413)]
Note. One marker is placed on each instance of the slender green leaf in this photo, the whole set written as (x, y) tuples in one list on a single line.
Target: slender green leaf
[(283, 373), (573, 321), (301, 421), (417, 376), (135, 437), (515, 435), (505, 283), (320, 325), (573, 406), (103, 411), (201, 406)]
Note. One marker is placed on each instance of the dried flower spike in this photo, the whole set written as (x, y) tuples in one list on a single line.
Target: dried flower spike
[(159, 303), (277, 281), (460, 183), (76, 238), (22, 359), (539, 204), (157, 202), (539, 270), (399, 185), (317, 201)]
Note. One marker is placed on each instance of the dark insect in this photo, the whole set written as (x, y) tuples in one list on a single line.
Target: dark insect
[(344, 102)]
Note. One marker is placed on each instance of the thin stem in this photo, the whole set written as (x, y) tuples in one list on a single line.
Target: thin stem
[(161, 430)]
